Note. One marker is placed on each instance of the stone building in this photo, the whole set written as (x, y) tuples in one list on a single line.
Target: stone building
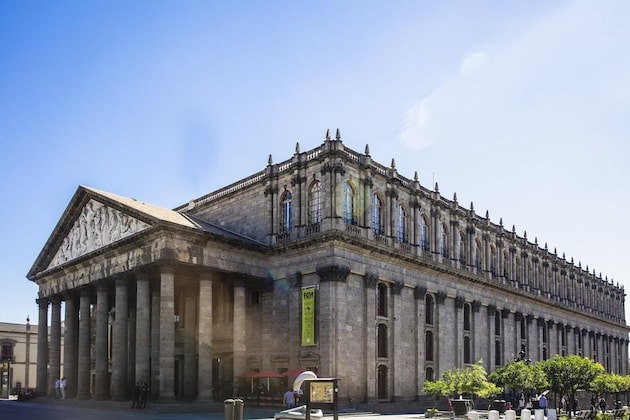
[(18, 356), (328, 261)]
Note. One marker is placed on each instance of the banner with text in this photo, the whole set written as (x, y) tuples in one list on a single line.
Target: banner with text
[(308, 316)]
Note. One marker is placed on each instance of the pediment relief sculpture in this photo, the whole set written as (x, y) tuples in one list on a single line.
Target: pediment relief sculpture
[(97, 226)]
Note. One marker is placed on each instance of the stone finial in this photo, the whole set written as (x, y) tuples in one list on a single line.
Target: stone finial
[(555, 251), (580, 264), (297, 148), (415, 176), (338, 135), (437, 189), (546, 249), (328, 134), (536, 240), (514, 229), (455, 197), (270, 161), (571, 260), (472, 206), (501, 221), (367, 150), (525, 235), (487, 214), (564, 256), (393, 164)]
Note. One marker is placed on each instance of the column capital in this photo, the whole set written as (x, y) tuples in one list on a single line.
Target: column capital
[(42, 302), (420, 292), (333, 273), (370, 280)]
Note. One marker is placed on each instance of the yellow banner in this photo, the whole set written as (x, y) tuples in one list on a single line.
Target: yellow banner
[(308, 316)]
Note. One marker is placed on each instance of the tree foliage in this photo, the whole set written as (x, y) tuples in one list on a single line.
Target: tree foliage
[(567, 374), (471, 379), (520, 376)]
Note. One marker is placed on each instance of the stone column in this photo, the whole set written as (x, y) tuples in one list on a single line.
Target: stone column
[(396, 336), (42, 346), (458, 331), (371, 281), (155, 343), (240, 331), (120, 353), (101, 380), (85, 365), (143, 328), (419, 295), (491, 312), (131, 346), (204, 366), (444, 351), (190, 347), (54, 360), (70, 345), (167, 332)]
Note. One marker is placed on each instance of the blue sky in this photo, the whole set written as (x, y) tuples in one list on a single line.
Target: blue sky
[(520, 107)]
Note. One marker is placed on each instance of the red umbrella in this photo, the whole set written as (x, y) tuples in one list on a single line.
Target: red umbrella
[(268, 374), (293, 372), (251, 374)]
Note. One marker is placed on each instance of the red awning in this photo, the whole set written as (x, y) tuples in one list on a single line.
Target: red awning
[(267, 374), (293, 372)]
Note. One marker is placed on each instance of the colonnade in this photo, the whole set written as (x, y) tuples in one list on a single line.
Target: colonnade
[(122, 329)]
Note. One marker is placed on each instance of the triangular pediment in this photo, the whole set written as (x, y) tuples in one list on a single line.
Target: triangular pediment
[(97, 219), (98, 225)]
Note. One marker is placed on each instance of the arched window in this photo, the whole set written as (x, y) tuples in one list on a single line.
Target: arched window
[(428, 374), (382, 382), (429, 307), (286, 222), (423, 236), (467, 350), (497, 353), (443, 244), (497, 323), (381, 291), (377, 214), (401, 224), (467, 312), (428, 346), (315, 203), (348, 204), (382, 340)]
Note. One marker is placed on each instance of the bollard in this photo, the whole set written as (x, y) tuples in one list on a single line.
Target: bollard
[(228, 409), (539, 414), (493, 415), (510, 415), (551, 414), (238, 409), (473, 415), (526, 414)]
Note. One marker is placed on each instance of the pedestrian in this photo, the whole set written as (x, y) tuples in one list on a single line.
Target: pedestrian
[(521, 403), (144, 395), (542, 403), (289, 399), (63, 386), (602, 405), (57, 385), (136, 396)]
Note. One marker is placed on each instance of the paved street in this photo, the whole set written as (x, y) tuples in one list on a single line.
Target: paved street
[(50, 409)]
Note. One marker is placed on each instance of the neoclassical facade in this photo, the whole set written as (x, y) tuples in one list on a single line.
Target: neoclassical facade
[(328, 261)]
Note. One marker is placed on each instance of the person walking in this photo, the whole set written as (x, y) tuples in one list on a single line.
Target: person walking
[(289, 399), (144, 395), (63, 385), (136, 396), (57, 390)]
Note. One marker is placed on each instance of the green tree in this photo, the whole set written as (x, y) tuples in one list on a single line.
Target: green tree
[(471, 379), (567, 374), (520, 376)]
